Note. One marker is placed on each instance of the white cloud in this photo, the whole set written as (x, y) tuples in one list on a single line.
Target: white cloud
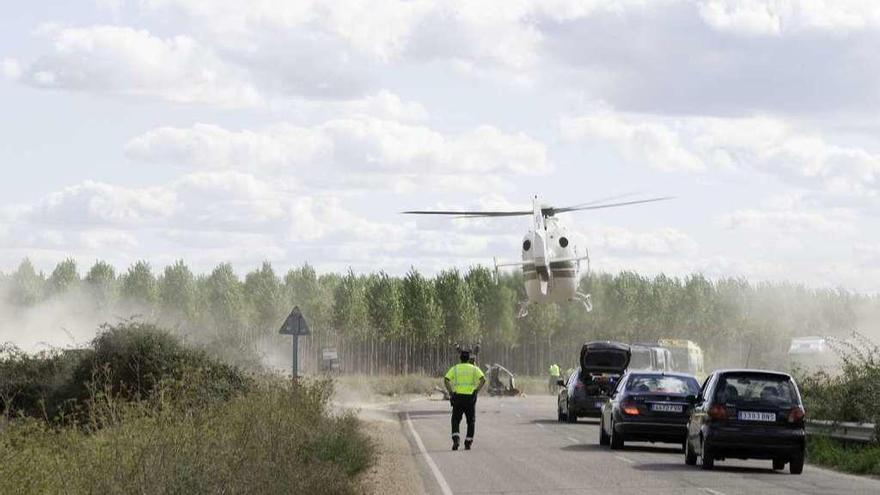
[(779, 17), (10, 68), (360, 145), (608, 240), (787, 222), (768, 145), (638, 140), (212, 147), (126, 61), (96, 203), (102, 240)]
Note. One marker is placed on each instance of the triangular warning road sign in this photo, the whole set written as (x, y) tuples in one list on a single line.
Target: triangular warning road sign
[(295, 324)]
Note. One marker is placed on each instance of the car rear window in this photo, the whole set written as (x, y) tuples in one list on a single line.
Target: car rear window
[(654, 384), (767, 390)]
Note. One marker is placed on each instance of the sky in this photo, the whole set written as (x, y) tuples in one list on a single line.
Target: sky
[(292, 132)]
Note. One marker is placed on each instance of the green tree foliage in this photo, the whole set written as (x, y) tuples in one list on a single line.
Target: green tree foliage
[(64, 277), (385, 306), (100, 281), (264, 294), (225, 305), (351, 313), (177, 291), (139, 284), (460, 316), (375, 319), (27, 286), (421, 312), (313, 296)]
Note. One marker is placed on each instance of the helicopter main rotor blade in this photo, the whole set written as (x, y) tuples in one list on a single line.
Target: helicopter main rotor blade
[(603, 200), (469, 214), (610, 205)]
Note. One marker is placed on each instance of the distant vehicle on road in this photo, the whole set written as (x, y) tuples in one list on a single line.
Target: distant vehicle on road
[(747, 414), (811, 352), (687, 356), (648, 407), (590, 385), (650, 357)]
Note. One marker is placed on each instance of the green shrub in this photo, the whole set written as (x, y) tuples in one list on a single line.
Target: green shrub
[(38, 385), (131, 361), (853, 393), (857, 459), (277, 437)]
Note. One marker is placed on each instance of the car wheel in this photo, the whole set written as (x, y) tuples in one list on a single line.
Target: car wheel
[(796, 464), (617, 440), (571, 417), (690, 457), (604, 439), (707, 462), (778, 464)]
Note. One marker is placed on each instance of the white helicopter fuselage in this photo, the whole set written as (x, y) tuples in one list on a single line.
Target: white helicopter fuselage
[(550, 264)]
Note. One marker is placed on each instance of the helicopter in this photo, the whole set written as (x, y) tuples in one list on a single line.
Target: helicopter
[(550, 262)]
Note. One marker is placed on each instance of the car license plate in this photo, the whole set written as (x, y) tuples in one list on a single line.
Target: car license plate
[(674, 408), (599, 404), (756, 416)]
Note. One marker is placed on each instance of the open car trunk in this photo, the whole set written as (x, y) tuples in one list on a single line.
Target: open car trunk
[(598, 361), (605, 358)]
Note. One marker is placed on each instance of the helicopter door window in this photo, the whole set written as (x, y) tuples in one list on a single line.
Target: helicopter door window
[(563, 241), (527, 244)]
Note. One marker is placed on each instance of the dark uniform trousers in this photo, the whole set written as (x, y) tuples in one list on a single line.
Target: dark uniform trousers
[(464, 404)]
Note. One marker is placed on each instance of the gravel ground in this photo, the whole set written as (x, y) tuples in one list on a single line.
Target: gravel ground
[(395, 471)]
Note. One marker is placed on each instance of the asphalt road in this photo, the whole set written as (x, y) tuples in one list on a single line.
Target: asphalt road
[(519, 448)]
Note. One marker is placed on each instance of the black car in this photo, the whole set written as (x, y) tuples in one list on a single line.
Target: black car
[(747, 414), (590, 385), (648, 406)]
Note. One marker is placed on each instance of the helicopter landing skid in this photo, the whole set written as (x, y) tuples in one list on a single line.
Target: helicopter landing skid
[(585, 299)]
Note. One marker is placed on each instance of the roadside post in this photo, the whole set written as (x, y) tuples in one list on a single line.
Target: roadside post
[(295, 325)]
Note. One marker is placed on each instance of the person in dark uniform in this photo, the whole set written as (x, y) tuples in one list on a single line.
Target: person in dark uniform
[(463, 382)]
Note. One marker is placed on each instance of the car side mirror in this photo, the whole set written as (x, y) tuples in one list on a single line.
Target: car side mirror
[(560, 382), (693, 400)]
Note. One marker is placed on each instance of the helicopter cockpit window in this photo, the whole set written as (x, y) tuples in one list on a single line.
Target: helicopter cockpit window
[(527, 244), (563, 241)]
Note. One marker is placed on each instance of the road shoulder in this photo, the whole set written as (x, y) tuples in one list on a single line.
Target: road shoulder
[(396, 469)]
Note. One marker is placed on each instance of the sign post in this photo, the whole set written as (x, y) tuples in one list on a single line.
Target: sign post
[(295, 325)]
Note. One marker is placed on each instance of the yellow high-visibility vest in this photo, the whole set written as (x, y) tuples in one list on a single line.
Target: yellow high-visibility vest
[(554, 370), (464, 378)]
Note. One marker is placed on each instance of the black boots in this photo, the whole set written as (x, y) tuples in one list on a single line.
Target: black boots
[(455, 444), (467, 444)]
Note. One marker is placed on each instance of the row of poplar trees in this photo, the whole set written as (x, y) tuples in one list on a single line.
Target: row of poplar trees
[(380, 323)]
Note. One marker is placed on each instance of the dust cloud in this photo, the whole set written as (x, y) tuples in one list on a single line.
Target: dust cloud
[(64, 321)]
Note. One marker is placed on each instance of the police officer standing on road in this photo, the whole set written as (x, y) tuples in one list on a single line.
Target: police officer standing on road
[(463, 382), (554, 377)]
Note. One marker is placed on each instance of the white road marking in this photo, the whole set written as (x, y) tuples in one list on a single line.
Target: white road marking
[(444, 486), (575, 440), (518, 415), (713, 492), (539, 425), (624, 459)]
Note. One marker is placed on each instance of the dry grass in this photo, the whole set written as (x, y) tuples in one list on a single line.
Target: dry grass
[(276, 438)]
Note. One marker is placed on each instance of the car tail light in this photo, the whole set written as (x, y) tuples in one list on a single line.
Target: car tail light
[(630, 408), (796, 415), (579, 384), (718, 412)]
